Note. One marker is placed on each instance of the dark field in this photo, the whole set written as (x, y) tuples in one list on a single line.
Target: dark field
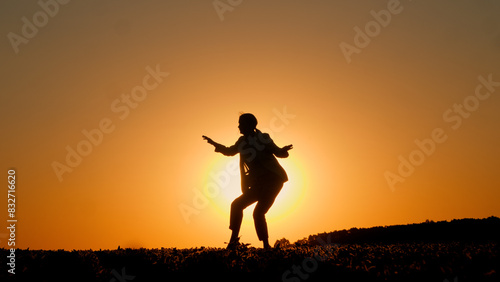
[(348, 262), (470, 256)]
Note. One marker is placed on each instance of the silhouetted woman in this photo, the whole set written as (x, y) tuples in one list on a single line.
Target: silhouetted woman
[(262, 177)]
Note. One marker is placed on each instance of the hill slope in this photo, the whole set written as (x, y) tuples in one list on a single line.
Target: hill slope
[(467, 229)]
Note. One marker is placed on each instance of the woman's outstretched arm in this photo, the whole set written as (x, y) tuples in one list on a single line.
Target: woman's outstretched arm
[(228, 151), (209, 140), (283, 152), (277, 151)]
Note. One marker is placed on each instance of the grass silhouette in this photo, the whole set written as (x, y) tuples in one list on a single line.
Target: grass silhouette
[(431, 251)]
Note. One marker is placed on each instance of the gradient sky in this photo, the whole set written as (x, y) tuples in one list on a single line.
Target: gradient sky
[(353, 117)]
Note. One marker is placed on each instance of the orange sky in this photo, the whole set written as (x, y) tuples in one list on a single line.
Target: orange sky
[(145, 79)]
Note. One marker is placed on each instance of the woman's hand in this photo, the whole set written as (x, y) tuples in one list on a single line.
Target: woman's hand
[(283, 152), (209, 140)]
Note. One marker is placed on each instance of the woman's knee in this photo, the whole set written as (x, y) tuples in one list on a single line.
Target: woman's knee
[(258, 213), (234, 205), (237, 205)]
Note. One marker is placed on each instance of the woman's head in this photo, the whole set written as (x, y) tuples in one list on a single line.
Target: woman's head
[(247, 123)]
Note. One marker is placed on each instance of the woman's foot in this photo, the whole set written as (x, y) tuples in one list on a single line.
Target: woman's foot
[(233, 244), (266, 245)]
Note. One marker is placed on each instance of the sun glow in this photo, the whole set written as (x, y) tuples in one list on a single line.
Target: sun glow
[(223, 186)]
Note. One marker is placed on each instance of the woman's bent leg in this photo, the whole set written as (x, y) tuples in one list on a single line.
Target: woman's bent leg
[(259, 218), (237, 207), (262, 207)]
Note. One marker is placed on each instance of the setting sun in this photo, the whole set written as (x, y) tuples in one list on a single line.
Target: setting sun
[(287, 201)]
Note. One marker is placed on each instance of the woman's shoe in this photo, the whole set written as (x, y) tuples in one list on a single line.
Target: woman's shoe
[(233, 245)]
